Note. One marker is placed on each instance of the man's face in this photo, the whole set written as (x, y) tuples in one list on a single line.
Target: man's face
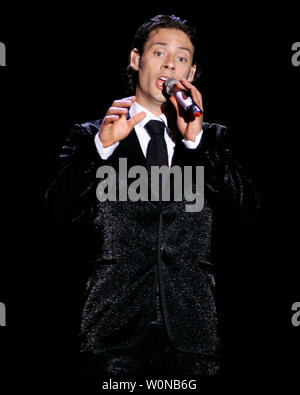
[(167, 53)]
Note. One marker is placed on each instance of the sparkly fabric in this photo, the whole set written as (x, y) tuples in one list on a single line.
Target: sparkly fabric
[(140, 245), (155, 356)]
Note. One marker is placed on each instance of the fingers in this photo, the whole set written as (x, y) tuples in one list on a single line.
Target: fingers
[(136, 119), (196, 95), (125, 102), (179, 109), (179, 84), (109, 119), (117, 111), (174, 102), (118, 108)]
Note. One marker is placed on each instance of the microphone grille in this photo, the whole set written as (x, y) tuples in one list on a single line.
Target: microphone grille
[(170, 82)]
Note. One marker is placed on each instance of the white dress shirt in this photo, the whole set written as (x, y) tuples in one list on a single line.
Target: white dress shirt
[(143, 135)]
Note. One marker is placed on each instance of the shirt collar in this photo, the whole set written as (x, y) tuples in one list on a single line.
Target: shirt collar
[(136, 108)]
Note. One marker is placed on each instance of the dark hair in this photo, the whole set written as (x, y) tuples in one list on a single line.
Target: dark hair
[(142, 36)]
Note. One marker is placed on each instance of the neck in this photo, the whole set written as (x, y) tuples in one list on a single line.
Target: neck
[(155, 107)]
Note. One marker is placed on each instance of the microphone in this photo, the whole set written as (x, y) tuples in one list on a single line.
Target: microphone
[(186, 101)]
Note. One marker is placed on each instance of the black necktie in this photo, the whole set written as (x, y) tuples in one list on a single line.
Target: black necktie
[(157, 153)]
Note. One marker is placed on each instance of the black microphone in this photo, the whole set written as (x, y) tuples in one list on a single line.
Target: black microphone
[(186, 101)]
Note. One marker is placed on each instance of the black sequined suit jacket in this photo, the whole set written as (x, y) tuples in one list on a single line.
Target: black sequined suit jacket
[(140, 243)]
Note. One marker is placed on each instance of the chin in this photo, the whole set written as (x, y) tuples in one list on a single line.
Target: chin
[(160, 98)]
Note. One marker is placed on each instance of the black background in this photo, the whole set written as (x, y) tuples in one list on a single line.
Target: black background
[(65, 67)]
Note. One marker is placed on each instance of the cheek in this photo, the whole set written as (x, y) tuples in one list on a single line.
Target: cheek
[(145, 76), (151, 63), (187, 71), (189, 74), (147, 70)]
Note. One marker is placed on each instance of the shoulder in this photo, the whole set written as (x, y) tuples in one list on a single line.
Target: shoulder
[(89, 128), (82, 133), (215, 131), (215, 135), (80, 139)]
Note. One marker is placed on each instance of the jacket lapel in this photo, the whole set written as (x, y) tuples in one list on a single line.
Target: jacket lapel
[(130, 148)]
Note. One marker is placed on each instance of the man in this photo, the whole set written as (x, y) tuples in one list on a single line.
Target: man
[(150, 297)]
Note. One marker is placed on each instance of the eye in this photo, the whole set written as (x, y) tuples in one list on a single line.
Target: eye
[(158, 53), (182, 59)]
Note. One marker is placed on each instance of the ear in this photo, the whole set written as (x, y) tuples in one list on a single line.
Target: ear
[(135, 59), (192, 73)]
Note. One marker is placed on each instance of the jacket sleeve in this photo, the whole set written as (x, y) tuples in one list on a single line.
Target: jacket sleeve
[(71, 195), (225, 181)]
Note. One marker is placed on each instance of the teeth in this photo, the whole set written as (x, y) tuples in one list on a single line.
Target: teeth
[(164, 78)]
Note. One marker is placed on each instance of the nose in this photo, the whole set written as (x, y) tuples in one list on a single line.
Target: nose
[(168, 63)]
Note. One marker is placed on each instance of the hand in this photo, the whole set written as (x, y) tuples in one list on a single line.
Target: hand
[(188, 125), (115, 126)]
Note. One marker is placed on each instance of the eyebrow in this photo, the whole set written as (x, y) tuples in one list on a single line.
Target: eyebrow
[(166, 44)]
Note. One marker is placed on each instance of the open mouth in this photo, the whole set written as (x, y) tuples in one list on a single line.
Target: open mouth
[(159, 82)]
